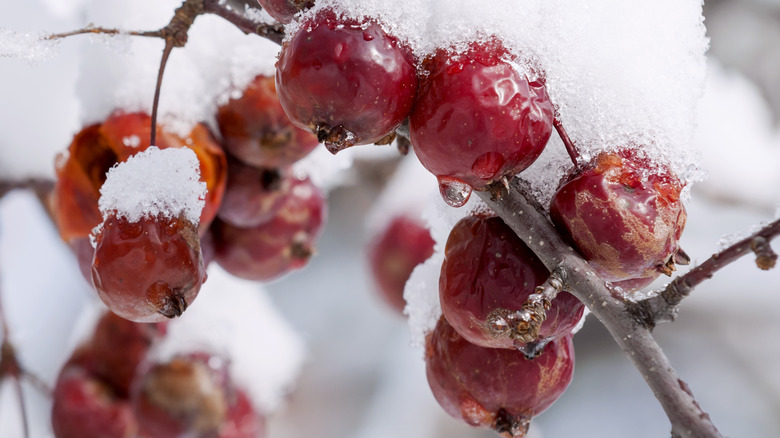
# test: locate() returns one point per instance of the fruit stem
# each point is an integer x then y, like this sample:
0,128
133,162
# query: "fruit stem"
155,104
570,148
270,31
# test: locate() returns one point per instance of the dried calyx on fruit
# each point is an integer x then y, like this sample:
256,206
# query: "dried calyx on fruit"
256,130
495,387
624,214
147,264
488,271
346,80
478,118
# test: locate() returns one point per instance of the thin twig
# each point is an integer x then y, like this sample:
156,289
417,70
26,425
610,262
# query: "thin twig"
105,31
570,148
40,186
662,306
22,405
271,31
528,220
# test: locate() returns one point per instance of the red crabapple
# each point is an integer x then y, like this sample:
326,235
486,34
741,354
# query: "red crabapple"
495,387
150,270
81,171
345,80
478,118
256,130
623,214
86,407
242,421
402,245
284,11
253,196
488,269
276,247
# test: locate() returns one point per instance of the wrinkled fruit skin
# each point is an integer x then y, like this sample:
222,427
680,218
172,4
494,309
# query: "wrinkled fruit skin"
622,215
256,130
404,244
347,81
487,267
86,407
150,270
284,11
495,387
477,118
186,396
81,171
253,196
276,247
120,346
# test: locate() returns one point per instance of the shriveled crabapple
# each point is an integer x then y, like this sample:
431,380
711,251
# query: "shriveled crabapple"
495,388
185,396
81,170
253,195
276,247
478,118
489,273
256,130
624,215
402,245
119,347
283,11
85,406
346,80
149,270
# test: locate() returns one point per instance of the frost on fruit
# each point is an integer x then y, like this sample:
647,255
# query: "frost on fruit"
156,182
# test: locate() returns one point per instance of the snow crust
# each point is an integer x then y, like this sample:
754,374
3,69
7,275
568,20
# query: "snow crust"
155,182
30,47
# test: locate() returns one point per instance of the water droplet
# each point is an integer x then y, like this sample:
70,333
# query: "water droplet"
455,192
367,36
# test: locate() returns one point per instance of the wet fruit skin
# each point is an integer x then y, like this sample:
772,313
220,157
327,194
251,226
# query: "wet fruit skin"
477,118
253,196
495,387
345,80
84,406
283,11
120,346
623,214
276,247
487,267
404,244
81,171
256,130
150,270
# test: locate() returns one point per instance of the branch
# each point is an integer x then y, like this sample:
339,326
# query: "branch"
529,221
40,186
271,31
105,31
663,305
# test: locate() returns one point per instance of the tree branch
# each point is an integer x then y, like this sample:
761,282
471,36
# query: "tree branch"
663,305
529,221
271,31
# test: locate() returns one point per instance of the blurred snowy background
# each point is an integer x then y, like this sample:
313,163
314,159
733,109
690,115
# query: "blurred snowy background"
347,355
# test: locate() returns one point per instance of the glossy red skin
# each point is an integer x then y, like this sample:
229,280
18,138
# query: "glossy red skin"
284,11
486,267
256,130
404,244
276,247
479,385
329,75
84,252
86,407
477,118
184,397
626,225
249,200
120,346
143,270
242,420
82,170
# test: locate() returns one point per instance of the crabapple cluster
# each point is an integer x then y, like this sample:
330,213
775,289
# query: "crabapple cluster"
259,219
502,352
110,387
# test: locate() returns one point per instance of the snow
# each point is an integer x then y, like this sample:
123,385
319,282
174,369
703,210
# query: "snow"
28,47
155,182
